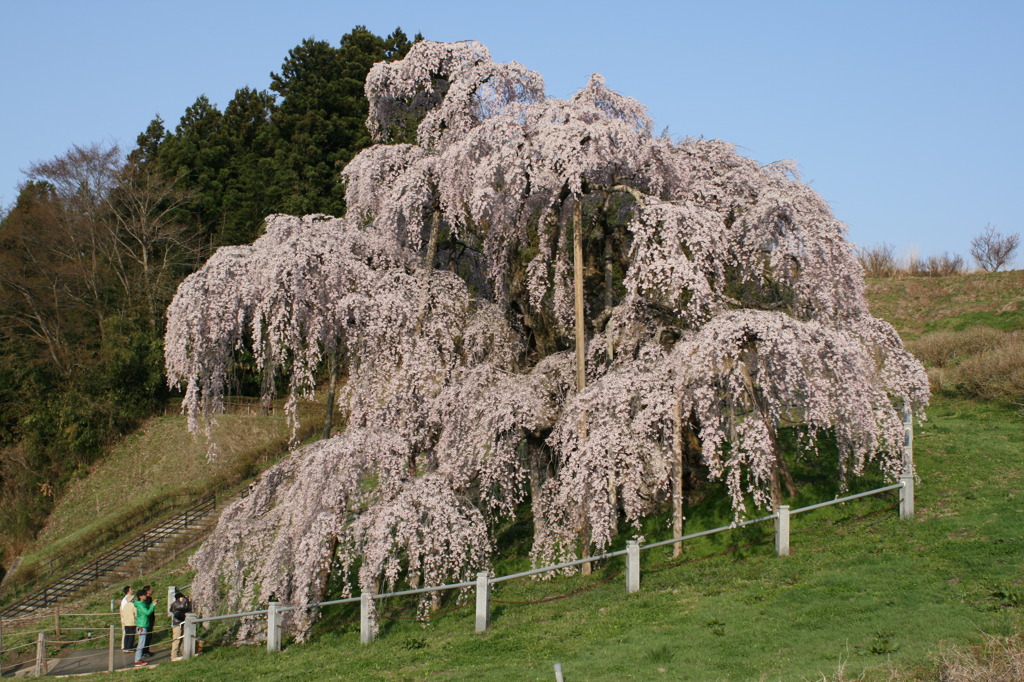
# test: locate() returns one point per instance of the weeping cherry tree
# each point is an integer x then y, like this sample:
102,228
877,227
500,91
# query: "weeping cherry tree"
531,299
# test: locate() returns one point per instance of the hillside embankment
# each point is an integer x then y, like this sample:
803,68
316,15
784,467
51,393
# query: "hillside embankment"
864,595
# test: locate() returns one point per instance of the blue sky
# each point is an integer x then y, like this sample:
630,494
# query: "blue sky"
906,116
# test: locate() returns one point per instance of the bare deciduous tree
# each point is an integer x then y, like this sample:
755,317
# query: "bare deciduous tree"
993,250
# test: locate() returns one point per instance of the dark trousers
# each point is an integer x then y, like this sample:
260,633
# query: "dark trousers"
128,641
148,640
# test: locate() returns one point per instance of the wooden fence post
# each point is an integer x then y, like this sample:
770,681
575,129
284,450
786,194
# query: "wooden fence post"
41,654
56,621
483,600
188,636
366,633
908,440
907,496
632,566
110,649
273,627
782,530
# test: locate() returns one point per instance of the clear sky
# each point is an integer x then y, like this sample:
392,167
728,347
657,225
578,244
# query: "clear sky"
905,115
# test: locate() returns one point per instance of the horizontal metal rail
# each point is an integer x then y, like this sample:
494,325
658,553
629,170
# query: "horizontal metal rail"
801,510
557,567
229,616
712,531
423,590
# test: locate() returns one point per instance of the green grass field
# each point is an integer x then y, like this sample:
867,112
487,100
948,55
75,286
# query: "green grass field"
863,592
863,595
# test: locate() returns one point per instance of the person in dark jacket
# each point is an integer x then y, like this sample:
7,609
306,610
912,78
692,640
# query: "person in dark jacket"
179,608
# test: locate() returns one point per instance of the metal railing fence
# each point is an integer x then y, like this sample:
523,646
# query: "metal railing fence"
485,581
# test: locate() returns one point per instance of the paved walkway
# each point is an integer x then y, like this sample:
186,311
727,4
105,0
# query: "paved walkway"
82,661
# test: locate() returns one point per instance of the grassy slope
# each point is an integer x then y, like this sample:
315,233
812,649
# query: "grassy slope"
864,592
915,305
160,465
862,589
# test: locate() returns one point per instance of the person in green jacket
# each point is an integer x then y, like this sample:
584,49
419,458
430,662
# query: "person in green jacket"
144,609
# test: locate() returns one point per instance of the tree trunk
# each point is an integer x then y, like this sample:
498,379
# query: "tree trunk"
781,475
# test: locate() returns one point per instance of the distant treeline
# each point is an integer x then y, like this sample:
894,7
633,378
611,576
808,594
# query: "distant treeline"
97,241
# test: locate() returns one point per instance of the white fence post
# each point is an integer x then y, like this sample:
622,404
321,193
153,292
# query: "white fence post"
483,600
632,566
273,627
171,591
366,633
782,530
907,496
188,636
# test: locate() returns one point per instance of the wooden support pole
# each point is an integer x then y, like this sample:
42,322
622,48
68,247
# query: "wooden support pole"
577,283
908,440
581,341
677,478
41,654
110,648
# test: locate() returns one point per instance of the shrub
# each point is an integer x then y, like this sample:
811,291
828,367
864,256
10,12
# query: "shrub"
878,260
945,265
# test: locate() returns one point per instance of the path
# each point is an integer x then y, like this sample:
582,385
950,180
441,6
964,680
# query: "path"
82,661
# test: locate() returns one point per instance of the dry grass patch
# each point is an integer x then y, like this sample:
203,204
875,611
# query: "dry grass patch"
979,362
1000,659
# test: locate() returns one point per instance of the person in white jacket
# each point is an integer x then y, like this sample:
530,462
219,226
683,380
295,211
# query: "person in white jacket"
128,619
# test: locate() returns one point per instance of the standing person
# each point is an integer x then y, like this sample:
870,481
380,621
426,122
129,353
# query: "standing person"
128,619
179,608
148,590
143,612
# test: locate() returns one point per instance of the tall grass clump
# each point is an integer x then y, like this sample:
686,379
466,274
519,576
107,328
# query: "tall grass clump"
996,374
978,362
949,348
